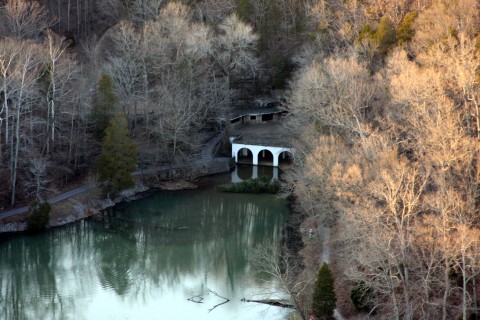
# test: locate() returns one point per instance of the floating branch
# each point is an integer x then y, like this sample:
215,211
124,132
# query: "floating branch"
196,299
218,305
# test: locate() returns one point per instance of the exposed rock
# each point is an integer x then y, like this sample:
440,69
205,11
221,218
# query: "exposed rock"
176,185
13,227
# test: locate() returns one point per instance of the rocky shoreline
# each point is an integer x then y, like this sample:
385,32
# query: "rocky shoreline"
81,211
84,206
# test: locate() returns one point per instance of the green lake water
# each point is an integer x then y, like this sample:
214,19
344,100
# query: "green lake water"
146,259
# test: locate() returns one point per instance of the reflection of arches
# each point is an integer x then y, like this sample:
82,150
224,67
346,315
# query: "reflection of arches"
265,157
285,159
244,172
266,171
244,155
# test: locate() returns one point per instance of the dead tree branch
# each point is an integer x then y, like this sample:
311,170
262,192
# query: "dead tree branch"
218,305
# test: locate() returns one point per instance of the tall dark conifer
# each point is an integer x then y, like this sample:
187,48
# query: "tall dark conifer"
104,106
119,156
324,300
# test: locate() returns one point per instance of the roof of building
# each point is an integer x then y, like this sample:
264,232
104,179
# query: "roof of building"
263,141
255,112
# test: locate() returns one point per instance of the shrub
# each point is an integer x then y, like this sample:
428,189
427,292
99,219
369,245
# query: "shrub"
367,33
405,30
257,185
385,35
38,216
361,296
245,9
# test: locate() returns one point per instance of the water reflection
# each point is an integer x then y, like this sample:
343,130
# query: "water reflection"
144,260
31,277
244,172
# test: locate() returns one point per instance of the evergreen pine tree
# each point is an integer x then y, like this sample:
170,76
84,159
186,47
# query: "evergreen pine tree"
324,300
386,35
119,156
405,30
104,105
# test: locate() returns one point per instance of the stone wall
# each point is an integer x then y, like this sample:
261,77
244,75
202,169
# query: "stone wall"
217,165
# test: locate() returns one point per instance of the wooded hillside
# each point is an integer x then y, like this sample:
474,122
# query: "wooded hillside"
168,71
387,98
384,101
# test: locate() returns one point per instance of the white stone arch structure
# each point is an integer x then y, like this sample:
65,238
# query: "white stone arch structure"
255,149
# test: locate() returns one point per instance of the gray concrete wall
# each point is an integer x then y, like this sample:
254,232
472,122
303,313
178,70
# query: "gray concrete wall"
217,165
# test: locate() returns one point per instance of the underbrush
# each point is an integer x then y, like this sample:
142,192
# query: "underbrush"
257,185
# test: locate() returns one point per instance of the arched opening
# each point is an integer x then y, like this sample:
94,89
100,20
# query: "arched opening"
285,159
244,155
265,158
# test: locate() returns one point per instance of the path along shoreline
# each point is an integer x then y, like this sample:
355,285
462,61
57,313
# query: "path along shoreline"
84,201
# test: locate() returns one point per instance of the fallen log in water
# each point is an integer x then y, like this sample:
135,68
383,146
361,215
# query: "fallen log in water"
272,302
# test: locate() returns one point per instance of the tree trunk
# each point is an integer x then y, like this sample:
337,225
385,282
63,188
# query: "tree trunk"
15,156
5,104
464,285
447,289
59,13
395,303
78,19
475,304
68,15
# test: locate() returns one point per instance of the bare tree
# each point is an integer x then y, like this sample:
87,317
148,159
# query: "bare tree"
26,74
24,19
170,58
60,75
214,11
282,268
335,94
125,65
38,171
9,50
444,19
234,48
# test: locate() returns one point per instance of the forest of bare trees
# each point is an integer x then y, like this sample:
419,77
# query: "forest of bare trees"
386,96
171,74
384,111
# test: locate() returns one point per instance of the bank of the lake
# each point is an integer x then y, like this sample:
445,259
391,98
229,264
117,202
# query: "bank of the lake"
92,201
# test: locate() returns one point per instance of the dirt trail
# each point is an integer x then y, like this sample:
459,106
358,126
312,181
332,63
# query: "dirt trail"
57,198
206,156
